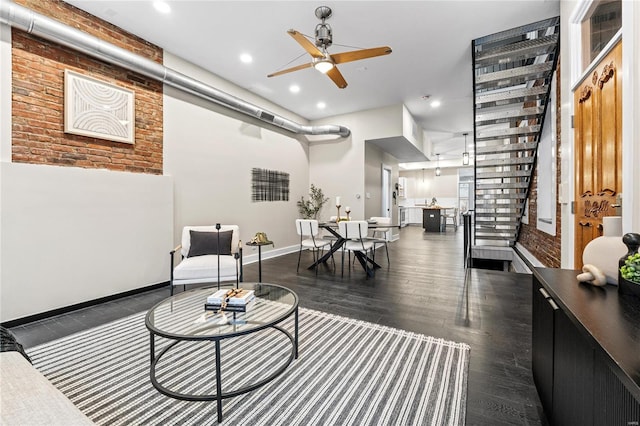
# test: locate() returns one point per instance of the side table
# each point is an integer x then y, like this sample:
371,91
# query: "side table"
259,245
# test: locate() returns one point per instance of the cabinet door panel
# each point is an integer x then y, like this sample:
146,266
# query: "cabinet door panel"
572,375
542,346
614,404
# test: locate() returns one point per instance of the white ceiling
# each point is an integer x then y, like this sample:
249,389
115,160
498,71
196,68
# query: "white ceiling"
431,42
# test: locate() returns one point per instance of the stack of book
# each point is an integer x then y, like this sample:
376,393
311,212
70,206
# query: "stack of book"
233,300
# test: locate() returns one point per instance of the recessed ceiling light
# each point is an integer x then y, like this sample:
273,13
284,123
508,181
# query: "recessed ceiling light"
294,88
321,105
435,104
162,6
246,58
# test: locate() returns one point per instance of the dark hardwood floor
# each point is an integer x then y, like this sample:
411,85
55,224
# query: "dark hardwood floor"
424,291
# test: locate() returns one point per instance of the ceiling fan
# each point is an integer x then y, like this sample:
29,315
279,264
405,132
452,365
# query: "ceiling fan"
322,60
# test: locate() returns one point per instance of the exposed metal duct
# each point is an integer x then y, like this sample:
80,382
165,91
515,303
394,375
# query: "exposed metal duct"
42,26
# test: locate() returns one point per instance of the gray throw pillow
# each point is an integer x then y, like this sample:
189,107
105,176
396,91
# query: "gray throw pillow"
203,243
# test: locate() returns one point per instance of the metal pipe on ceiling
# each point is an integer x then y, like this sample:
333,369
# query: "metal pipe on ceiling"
42,26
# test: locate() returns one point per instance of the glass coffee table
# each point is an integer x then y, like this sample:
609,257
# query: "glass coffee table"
181,320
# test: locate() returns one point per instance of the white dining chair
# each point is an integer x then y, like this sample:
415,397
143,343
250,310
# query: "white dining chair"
355,233
383,236
453,215
308,231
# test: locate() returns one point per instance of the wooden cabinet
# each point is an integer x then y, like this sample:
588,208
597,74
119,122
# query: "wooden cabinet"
572,375
542,327
585,351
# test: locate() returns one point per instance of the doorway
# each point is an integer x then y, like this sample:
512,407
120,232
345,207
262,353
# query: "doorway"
386,192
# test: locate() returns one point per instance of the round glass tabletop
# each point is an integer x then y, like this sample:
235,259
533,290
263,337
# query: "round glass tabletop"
184,317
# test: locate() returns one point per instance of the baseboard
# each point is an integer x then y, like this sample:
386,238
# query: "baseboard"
66,309
266,254
527,257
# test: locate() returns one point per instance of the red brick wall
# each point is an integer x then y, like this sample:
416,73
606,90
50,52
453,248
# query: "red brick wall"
38,98
546,248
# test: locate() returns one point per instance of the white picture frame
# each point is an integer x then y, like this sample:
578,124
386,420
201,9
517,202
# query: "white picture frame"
98,109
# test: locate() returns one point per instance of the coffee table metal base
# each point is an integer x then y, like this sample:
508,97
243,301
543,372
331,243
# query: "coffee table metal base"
219,396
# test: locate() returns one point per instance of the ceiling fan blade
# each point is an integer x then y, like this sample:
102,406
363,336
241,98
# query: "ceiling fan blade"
311,48
354,55
337,77
296,68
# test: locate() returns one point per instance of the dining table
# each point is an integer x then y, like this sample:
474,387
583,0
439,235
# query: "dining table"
368,264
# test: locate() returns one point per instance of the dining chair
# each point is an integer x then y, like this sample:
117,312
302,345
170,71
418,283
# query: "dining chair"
453,215
308,231
384,235
355,233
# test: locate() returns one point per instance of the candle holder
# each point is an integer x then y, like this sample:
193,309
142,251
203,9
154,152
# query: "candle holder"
338,217
347,210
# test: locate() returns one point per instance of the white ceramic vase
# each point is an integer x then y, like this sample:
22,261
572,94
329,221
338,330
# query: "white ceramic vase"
605,252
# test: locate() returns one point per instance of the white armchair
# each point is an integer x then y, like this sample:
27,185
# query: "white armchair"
208,255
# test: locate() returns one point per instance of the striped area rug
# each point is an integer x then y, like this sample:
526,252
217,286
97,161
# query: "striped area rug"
348,372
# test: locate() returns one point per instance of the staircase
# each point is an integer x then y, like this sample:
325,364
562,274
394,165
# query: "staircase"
512,73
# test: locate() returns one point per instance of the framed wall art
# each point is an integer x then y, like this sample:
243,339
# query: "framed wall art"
269,185
98,109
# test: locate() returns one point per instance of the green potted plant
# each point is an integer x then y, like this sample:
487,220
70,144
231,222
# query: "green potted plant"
310,208
631,269
629,279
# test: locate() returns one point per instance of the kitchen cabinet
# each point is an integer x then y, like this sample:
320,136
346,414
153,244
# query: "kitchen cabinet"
413,215
432,219
585,350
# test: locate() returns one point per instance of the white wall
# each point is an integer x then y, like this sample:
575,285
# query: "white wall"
70,235
210,151
373,181
338,167
444,186
410,129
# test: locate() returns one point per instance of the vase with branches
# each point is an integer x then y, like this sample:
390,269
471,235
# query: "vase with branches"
310,208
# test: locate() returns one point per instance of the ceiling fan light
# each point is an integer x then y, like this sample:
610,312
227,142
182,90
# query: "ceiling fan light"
323,65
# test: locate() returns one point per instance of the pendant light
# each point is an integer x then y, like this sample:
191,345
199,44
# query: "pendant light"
465,154
438,165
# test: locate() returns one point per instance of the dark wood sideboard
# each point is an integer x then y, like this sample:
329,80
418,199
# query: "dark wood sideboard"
585,351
